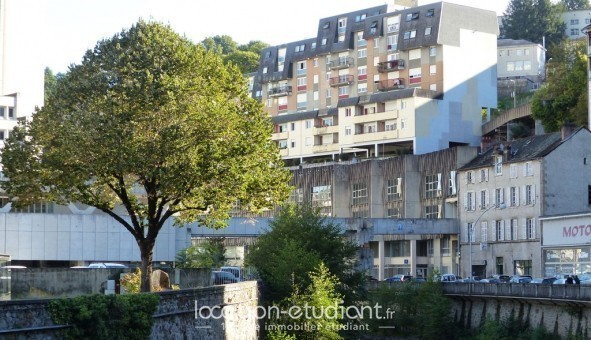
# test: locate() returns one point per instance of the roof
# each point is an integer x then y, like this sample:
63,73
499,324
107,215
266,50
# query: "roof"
522,150
512,42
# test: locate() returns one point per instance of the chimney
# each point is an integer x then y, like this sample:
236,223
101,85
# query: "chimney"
567,129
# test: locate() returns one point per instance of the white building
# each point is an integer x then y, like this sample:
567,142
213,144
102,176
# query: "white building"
521,66
506,190
575,21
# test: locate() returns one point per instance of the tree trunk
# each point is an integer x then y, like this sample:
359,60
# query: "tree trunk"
146,251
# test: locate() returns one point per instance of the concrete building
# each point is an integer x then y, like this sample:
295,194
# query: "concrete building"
521,66
575,22
376,82
506,190
401,211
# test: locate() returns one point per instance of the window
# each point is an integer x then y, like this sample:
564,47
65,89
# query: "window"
308,141
11,112
2,135
483,175
292,143
360,41
282,144
513,197
362,88
390,125
513,170
321,197
397,248
300,48
412,16
589,194
432,212
522,267
323,41
470,233
499,230
359,193
574,21
301,66
445,246
362,72
499,196
292,126
360,17
528,170
342,25
484,231
451,182
498,165
513,228
326,25
499,265
308,124
297,195
430,12
433,186
529,194
530,230
483,199
428,30
362,53
433,69
265,70
36,207
510,66
343,91
301,83
470,201
392,41
348,111
393,212
414,75
469,177
347,131
432,51
393,189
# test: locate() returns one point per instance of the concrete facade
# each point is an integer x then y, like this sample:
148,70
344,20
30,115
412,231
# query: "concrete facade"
521,66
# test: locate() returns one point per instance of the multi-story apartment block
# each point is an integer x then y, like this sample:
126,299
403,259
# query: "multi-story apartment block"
376,82
507,190
575,21
521,66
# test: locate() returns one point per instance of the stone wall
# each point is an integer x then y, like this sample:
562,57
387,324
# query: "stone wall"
175,317
563,318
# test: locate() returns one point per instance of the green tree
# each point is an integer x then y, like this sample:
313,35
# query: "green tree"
246,57
533,20
210,254
573,5
50,81
148,126
319,318
563,98
298,240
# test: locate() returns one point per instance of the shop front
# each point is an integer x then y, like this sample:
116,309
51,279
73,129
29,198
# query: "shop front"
566,245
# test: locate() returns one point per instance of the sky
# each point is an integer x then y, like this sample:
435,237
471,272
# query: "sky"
56,33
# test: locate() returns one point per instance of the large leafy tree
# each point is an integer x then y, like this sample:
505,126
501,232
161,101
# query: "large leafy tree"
533,20
246,57
147,127
563,98
298,241
573,5
210,254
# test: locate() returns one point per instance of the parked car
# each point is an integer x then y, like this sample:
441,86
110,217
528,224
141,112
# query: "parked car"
399,278
520,279
502,278
419,279
543,280
449,278
491,279
472,279
106,265
219,277
236,271
559,281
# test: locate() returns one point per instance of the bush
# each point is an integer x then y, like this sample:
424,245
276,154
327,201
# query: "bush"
105,316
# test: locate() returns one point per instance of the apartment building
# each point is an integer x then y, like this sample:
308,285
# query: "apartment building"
379,82
521,66
575,22
508,190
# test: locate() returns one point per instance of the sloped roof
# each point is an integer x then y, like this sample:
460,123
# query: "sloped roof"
522,150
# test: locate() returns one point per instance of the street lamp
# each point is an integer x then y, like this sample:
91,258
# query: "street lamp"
471,231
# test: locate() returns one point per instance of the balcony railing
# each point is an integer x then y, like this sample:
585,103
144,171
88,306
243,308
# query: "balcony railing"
391,84
279,91
391,65
339,63
341,80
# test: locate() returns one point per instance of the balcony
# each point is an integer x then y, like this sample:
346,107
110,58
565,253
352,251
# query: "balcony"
374,136
324,129
339,63
391,65
341,80
279,91
325,148
279,136
375,117
391,84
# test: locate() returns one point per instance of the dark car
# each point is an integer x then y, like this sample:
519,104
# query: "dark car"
520,279
399,278
544,281
222,278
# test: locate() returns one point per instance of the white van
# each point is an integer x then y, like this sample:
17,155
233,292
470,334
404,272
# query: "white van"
449,278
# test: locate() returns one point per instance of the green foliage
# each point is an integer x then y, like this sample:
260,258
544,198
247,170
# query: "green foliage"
105,316
50,81
532,20
210,254
298,240
511,328
419,310
132,281
573,5
563,98
317,320
153,124
245,57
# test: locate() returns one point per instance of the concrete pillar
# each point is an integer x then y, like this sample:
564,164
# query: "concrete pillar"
381,260
413,258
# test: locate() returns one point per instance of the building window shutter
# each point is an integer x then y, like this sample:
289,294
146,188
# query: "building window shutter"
507,230
523,228
533,194
533,228
466,201
484,231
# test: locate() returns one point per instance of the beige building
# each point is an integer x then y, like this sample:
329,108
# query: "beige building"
508,188
379,82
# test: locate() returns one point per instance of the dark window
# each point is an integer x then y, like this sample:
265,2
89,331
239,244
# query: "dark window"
430,12
374,24
326,25
589,194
